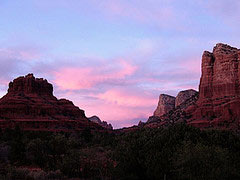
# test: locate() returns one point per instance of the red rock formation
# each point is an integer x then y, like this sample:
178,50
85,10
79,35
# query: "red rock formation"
187,98
218,102
219,93
183,96
166,103
30,104
101,123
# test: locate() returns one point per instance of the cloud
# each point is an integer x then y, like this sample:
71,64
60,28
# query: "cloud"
120,116
225,11
225,8
161,13
122,92
112,73
22,52
10,64
127,98
120,107
138,10
17,61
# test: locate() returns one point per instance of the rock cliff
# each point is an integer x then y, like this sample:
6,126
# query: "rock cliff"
166,103
219,98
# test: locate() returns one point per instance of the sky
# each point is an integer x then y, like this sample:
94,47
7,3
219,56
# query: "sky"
113,58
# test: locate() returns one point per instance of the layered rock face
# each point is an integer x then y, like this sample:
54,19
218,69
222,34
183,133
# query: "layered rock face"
220,73
166,103
219,98
184,95
97,120
31,105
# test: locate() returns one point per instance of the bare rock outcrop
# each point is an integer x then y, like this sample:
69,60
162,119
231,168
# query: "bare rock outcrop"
183,96
166,103
97,120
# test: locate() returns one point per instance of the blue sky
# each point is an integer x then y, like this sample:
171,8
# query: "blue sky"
113,58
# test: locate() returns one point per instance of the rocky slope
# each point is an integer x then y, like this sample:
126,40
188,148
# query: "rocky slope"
97,120
31,105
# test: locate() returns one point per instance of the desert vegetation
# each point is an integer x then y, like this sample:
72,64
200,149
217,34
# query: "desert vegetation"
177,152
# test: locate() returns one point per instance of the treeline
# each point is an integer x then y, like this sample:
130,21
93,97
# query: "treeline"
176,152
179,152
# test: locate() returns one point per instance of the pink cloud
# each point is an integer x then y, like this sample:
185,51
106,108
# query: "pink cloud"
95,88
121,107
120,116
75,78
192,65
126,98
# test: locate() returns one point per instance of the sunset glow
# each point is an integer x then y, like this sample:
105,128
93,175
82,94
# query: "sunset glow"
113,58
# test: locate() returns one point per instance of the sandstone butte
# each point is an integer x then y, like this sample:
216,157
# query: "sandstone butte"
219,94
218,104
31,105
